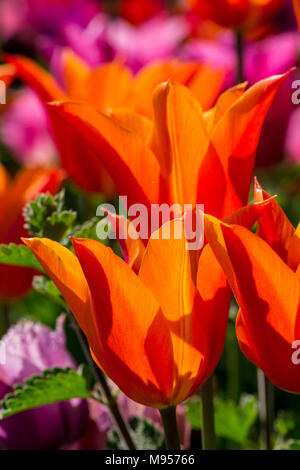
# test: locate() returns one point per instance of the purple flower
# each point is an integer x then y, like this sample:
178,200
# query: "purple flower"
29,349
26,19
24,130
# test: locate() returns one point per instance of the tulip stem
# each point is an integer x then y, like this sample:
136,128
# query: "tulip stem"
266,408
5,320
208,418
168,416
240,57
101,380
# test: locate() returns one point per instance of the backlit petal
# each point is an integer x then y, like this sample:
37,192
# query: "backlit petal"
133,331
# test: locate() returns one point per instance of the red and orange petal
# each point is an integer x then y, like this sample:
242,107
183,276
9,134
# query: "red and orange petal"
274,226
267,291
234,140
133,167
132,328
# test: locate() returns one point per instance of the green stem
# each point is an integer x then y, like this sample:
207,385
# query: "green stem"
208,419
240,77
101,380
266,408
168,416
5,319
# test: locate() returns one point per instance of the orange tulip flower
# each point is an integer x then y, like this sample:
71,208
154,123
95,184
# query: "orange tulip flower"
186,156
245,14
16,281
263,272
109,87
7,73
157,325
296,4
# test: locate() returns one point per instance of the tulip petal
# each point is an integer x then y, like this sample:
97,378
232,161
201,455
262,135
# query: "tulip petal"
115,89
133,331
267,291
122,152
245,341
75,72
140,125
36,78
133,248
179,140
293,257
274,226
64,269
169,270
7,73
27,184
77,158
235,138
205,83
225,101
4,181
296,4
214,291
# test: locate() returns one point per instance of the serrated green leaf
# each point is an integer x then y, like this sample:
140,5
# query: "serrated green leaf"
46,217
53,386
18,255
232,421
145,434
86,230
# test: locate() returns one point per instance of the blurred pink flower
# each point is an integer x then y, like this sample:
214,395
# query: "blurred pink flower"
101,422
106,38
29,349
24,130
157,38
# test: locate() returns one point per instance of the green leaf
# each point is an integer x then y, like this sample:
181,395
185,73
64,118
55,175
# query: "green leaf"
145,434
53,386
291,444
86,230
19,255
46,217
44,286
232,421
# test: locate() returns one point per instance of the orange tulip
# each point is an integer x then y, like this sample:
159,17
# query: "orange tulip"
184,157
265,279
7,73
108,87
16,281
157,326
296,4
245,14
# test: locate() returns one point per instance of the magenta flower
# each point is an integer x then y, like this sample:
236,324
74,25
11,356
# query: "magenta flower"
105,38
26,19
24,130
29,349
